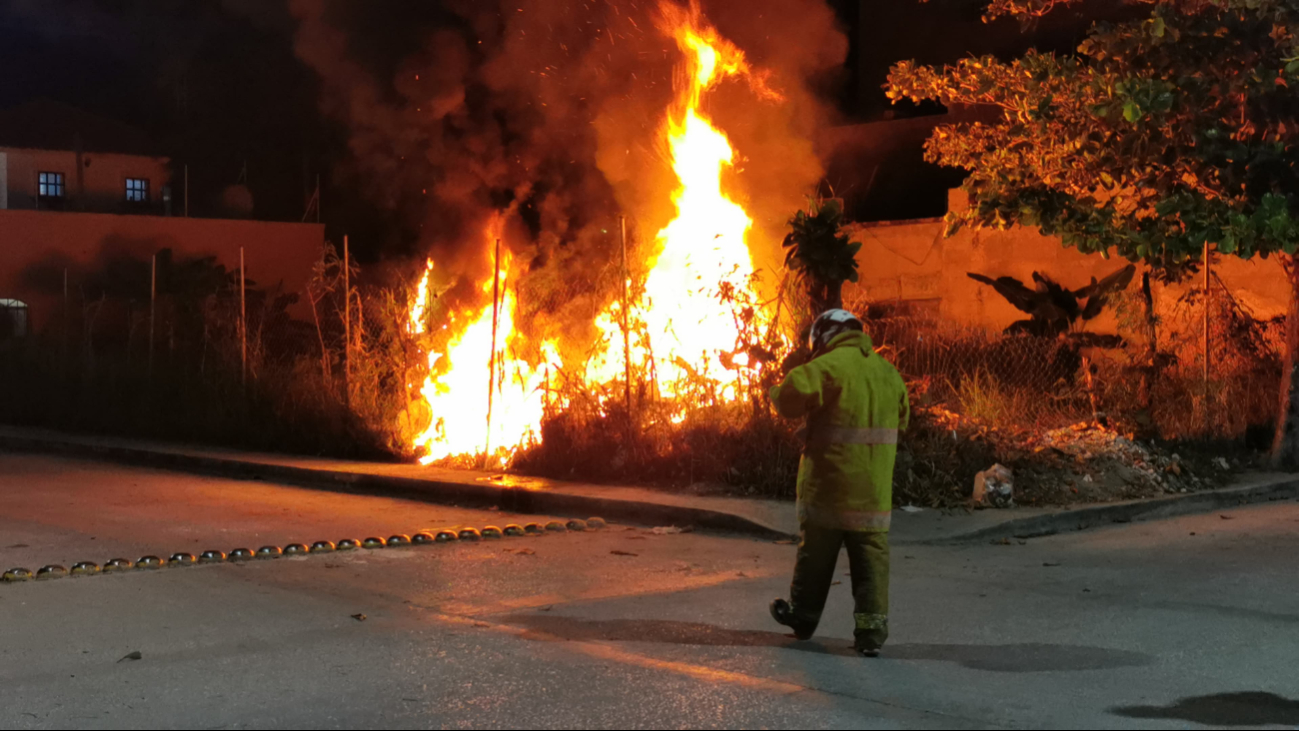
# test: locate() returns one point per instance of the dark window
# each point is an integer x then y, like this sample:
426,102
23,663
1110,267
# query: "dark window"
13,319
51,185
137,190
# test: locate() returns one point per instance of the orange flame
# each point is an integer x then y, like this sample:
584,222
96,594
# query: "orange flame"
460,376
705,248
687,330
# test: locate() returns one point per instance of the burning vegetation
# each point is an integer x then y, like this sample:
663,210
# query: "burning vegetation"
636,288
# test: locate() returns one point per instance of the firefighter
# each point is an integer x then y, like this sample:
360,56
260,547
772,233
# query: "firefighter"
855,402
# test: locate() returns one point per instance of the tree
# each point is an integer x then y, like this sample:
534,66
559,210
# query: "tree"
821,254
1162,136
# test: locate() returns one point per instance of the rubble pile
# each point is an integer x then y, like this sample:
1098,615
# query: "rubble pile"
1085,462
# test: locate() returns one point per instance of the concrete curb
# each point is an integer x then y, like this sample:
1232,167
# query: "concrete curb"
1096,516
507,498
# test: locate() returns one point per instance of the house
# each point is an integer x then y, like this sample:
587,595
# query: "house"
80,194
59,158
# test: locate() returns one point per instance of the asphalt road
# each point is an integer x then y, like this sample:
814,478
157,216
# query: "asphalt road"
1177,624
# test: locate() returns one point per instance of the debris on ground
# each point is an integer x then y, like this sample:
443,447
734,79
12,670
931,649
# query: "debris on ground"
359,617
1085,462
137,655
994,487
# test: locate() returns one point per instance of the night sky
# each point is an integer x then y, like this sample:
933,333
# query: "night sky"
217,83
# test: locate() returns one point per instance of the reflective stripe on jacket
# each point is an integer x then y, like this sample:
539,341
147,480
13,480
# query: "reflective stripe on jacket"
855,402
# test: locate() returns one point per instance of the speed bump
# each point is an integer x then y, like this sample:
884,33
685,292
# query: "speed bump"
266,553
181,560
323,547
13,576
373,543
446,536
470,534
399,540
421,539
148,563
241,554
296,549
85,568
118,565
513,530
555,526
534,529
348,544
53,571
578,525
491,531
212,557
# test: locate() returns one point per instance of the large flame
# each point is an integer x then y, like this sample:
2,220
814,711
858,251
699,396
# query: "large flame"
687,331
464,421
705,247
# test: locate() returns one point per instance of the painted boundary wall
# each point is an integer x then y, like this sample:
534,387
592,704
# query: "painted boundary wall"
36,246
911,262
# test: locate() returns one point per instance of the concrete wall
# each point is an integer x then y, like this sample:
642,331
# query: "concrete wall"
36,247
912,262
100,187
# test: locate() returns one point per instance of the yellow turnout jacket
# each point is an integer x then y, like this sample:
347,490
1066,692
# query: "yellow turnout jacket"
855,403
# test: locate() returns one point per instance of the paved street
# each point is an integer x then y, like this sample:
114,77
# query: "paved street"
1177,624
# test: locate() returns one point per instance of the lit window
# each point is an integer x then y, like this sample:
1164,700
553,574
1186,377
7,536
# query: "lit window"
137,190
13,319
51,185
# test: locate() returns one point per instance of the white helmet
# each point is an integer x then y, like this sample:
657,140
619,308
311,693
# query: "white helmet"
829,324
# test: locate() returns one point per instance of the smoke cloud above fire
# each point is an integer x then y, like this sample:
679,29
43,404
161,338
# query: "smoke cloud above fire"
549,112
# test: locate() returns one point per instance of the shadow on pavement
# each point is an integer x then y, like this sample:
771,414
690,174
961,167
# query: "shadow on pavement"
1223,709
1028,657
1017,658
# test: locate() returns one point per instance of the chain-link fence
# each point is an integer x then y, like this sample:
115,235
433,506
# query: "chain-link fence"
191,349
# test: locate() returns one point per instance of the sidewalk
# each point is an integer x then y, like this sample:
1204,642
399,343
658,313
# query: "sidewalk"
632,505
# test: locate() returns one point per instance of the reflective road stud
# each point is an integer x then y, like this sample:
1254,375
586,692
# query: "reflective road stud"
596,523
421,539
265,553
118,565
534,529
296,549
181,560
47,573
514,530
241,554
373,543
398,540
212,557
149,563
491,531
85,568
446,536
15,575
322,547
578,525
470,534
349,544
555,526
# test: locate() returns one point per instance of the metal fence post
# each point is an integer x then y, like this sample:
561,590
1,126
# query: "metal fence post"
153,306
243,321
491,362
67,314
347,324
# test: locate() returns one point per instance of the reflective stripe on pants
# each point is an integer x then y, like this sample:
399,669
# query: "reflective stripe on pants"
868,563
